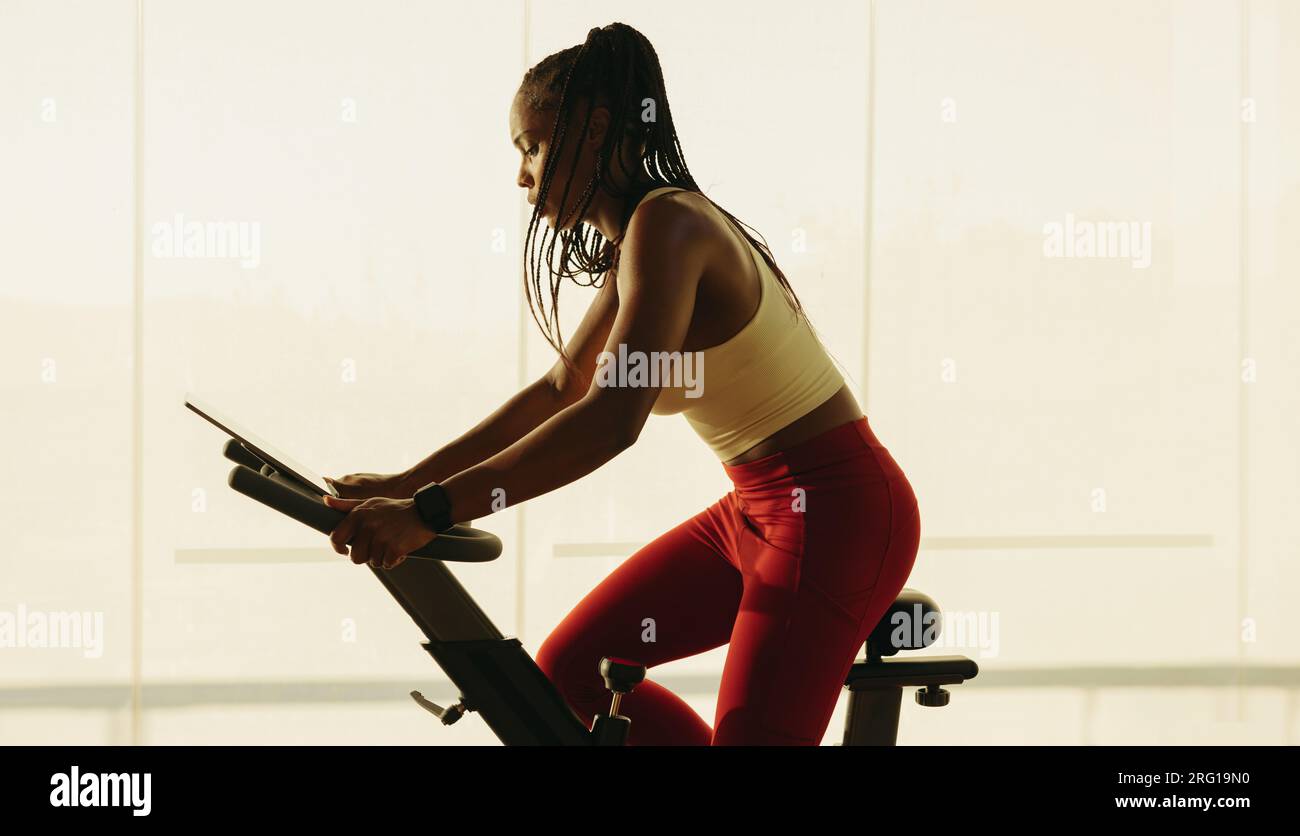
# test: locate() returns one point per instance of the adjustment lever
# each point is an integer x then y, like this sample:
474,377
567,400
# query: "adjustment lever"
621,677
447,715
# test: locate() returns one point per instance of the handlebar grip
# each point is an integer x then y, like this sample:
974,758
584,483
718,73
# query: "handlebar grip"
460,544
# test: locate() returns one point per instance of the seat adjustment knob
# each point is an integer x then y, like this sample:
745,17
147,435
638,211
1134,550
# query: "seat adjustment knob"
931,695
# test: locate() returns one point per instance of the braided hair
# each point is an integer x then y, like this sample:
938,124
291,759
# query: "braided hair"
618,68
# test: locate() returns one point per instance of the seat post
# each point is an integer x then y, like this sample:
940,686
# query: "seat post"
872,718
876,684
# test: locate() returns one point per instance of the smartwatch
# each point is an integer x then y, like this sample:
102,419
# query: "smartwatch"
433,506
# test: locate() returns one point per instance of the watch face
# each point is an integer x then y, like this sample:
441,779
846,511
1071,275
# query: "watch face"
432,506
433,497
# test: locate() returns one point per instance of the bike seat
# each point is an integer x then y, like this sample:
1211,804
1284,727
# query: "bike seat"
913,621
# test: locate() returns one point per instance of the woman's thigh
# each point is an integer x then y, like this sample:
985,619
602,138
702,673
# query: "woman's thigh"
675,597
817,581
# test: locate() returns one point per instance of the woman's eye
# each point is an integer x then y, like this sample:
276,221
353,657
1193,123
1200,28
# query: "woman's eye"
532,152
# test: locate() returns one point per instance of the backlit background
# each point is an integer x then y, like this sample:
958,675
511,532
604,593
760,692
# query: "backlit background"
1102,445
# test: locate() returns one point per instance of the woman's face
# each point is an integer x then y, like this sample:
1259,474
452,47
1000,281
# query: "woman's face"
530,133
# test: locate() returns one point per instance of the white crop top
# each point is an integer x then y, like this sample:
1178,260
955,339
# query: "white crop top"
771,373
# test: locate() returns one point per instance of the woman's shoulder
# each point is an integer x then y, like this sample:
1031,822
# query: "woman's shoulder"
678,196
673,216
670,238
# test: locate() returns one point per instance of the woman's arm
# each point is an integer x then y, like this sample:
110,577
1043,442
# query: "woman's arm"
663,259
532,406
661,265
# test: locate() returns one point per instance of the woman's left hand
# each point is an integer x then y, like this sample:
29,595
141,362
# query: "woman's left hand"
382,531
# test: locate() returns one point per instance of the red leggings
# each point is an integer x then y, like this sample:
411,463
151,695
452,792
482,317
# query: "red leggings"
792,569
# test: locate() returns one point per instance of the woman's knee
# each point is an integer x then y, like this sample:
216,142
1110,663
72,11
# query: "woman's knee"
574,668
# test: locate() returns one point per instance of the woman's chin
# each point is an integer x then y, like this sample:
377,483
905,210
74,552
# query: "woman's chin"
550,220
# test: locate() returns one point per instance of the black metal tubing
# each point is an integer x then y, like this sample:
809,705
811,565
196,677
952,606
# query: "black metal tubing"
458,544
503,684
497,678
876,693
872,718
924,670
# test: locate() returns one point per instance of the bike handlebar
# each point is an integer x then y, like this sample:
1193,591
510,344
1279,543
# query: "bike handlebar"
459,544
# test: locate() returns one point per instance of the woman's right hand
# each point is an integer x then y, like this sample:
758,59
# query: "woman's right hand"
367,485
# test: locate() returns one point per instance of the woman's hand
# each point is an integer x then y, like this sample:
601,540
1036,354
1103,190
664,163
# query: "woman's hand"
382,531
366,485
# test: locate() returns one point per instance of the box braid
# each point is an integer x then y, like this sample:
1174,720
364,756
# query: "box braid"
617,67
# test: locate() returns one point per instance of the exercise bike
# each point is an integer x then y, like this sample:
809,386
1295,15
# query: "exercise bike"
500,681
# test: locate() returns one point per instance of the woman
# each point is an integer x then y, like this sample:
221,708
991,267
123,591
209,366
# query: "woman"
795,566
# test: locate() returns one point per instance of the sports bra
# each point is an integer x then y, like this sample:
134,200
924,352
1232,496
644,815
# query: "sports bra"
768,375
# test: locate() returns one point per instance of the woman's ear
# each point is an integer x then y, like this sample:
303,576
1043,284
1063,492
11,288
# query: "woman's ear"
599,126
